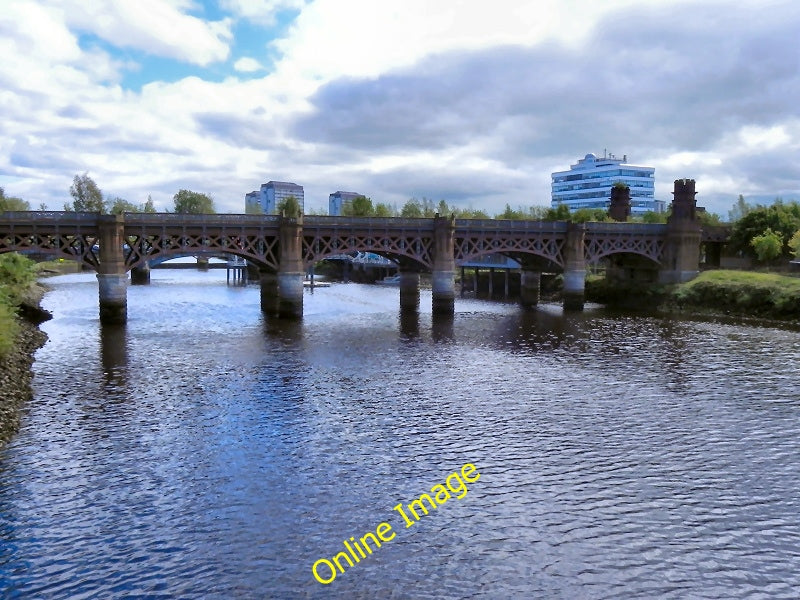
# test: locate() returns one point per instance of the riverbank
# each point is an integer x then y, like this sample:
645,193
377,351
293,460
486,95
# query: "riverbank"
720,292
16,376
763,295
20,337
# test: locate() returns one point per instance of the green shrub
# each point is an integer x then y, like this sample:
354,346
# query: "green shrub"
8,324
17,274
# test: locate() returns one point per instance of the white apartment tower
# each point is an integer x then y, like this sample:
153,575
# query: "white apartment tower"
266,200
588,184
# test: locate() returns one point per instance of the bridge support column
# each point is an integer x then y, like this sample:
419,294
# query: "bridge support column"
112,277
443,282
574,268
269,292
682,247
409,290
530,284
290,271
140,275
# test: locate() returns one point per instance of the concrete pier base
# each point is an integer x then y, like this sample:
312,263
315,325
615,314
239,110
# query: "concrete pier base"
269,292
574,289
443,288
140,275
113,292
409,290
290,295
529,290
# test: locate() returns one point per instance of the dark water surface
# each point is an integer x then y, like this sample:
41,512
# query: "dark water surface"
205,452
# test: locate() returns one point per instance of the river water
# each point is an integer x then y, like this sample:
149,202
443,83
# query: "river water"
206,452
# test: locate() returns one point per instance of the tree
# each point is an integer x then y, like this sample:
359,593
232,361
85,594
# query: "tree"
794,244
289,207
739,210
768,245
412,209
360,206
384,210
782,218
584,215
11,203
511,214
470,213
708,218
654,217
120,205
195,203
560,213
86,196
148,206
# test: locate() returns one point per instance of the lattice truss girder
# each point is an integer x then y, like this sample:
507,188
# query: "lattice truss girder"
549,246
412,245
599,246
80,247
143,247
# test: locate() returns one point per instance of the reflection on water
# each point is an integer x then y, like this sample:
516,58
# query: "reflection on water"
206,452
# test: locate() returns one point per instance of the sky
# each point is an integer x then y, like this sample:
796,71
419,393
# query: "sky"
469,101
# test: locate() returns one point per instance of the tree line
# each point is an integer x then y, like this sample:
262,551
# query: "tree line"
86,196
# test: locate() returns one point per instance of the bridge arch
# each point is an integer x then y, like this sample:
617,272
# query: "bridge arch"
75,248
408,252
607,239
261,251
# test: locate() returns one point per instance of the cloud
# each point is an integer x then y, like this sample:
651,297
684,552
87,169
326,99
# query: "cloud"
260,11
646,84
247,65
156,27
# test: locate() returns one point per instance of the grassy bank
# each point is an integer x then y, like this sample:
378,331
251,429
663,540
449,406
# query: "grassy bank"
19,337
17,278
740,292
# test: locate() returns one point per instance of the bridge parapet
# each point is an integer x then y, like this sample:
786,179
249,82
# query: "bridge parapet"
509,225
368,223
627,228
59,217
216,220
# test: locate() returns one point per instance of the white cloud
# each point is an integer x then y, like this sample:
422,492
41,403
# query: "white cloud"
260,11
157,27
247,65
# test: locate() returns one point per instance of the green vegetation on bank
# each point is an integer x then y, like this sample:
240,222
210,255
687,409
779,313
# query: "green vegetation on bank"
742,292
17,275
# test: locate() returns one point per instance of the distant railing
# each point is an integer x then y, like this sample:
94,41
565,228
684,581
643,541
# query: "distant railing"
198,220
49,216
509,225
366,222
640,228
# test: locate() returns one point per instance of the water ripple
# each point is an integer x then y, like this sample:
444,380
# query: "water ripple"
204,452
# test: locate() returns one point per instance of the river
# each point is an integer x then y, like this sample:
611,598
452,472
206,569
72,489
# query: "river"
203,451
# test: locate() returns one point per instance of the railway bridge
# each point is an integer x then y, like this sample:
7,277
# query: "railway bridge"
283,248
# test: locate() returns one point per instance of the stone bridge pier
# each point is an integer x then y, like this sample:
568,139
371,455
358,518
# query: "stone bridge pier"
574,267
443,280
409,289
112,276
529,288
282,291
